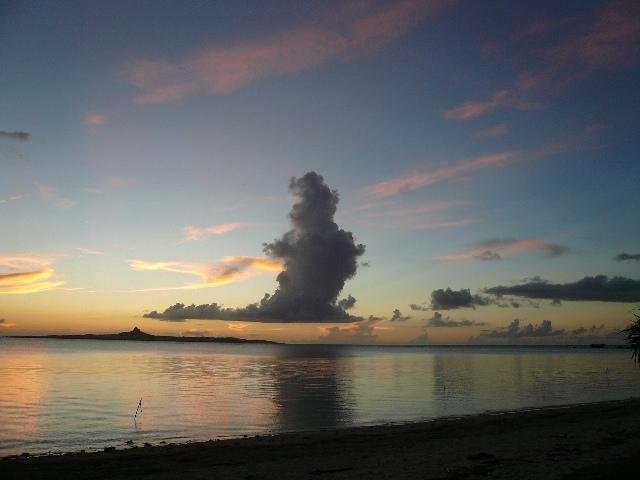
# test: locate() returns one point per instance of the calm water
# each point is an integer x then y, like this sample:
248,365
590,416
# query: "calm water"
67,395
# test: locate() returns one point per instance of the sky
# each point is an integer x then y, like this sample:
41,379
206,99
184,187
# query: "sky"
392,172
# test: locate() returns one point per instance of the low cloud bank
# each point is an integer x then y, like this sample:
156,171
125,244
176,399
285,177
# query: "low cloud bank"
599,288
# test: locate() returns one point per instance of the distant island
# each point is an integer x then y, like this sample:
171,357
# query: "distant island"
140,336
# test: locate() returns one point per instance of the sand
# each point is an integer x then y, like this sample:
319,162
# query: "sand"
600,440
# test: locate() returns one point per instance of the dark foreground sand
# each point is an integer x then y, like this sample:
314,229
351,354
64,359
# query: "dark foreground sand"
596,441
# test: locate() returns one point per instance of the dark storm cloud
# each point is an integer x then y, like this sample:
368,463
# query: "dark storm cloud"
347,303
447,299
419,308
438,320
621,257
545,333
487,255
398,317
22,136
514,330
318,259
599,288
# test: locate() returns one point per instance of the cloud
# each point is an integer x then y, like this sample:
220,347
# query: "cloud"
359,332
411,217
22,274
438,320
419,308
420,179
230,269
398,317
357,28
447,299
500,99
88,251
412,210
12,198
514,331
110,182
599,288
94,119
318,259
196,233
544,332
491,132
5,324
347,303
16,135
627,256
50,195
606,42
498,248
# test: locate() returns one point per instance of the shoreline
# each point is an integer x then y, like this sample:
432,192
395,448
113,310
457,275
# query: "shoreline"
547,442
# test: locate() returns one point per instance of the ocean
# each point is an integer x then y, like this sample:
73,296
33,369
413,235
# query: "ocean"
65,395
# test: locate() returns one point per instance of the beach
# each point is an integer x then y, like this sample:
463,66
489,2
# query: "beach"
578,441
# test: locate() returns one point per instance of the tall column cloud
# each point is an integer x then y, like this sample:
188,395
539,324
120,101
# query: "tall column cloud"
318,258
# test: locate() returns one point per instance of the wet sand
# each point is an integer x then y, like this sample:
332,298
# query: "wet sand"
583,442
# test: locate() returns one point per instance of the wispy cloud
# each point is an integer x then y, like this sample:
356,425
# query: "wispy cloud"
12,198
607,42
500,99
94,119
229,270
418,216
498,248
413,210
110,182
50,195
356,29
89,251
5,324
16,135
26,274
196,233
491,132
423,178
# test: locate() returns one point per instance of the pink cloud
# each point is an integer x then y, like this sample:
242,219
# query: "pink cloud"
196,233
27,274
446,224
492,132
420,179
229,270
500,99
607,42
50,195
413,210
359,28
496,249
94,119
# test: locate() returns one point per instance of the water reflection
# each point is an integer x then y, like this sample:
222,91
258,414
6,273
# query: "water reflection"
311,388
65,395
